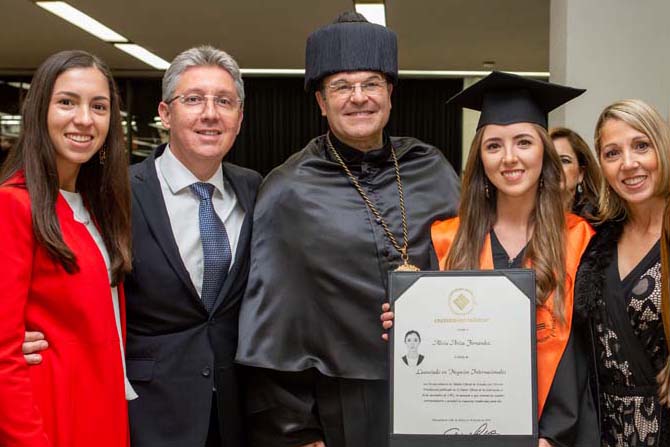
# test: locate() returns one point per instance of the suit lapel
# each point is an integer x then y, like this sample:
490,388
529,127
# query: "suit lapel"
147,190
244,199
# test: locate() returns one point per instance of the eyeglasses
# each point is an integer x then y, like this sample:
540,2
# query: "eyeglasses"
344,89
197,102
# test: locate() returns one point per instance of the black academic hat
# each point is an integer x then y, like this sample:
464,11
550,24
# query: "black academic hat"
505,98
350,43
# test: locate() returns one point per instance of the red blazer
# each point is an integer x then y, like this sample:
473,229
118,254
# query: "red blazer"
75,398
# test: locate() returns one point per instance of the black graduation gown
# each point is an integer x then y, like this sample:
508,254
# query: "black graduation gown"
569,418
309,323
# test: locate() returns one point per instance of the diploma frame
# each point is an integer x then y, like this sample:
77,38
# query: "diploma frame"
399,283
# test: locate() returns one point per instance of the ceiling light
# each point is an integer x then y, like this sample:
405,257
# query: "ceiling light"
23,85
83,21
374,12
144,55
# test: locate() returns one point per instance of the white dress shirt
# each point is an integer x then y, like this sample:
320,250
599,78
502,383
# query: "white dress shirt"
183,208
82,216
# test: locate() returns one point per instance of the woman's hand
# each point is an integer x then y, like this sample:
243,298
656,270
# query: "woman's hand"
387,319
544,443
33,344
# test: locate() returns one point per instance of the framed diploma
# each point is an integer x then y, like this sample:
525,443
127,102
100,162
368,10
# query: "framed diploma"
462,359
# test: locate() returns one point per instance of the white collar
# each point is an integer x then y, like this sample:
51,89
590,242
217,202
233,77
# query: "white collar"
178,177
76,204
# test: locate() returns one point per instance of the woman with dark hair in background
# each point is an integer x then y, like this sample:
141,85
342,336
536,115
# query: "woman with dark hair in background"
512,216
618,287
65,237
582,176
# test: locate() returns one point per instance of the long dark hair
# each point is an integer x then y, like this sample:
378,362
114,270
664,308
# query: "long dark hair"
104,187
477,213
585,203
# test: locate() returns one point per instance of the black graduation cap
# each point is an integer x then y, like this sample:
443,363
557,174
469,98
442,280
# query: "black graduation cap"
350,43
505,98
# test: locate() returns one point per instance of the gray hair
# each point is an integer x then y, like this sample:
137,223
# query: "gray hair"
201,56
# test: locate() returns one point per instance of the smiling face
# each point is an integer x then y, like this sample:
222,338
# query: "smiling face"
628,161
78,119
512,159
201,136
357,119
574,173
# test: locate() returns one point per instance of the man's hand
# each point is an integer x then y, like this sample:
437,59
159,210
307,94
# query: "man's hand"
315,444
32,345
544,443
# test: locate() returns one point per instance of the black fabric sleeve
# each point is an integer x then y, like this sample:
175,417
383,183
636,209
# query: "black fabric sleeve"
281,408
434,262
569,418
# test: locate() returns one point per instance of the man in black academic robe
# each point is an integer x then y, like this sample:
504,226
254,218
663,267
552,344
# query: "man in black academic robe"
309,324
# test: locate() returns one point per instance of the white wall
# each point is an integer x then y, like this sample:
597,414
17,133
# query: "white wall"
616,49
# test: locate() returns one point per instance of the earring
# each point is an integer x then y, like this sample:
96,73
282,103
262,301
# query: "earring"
541,182
102,155
580,188
486,189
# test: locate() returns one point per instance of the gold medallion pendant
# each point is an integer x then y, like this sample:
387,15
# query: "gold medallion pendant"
406,266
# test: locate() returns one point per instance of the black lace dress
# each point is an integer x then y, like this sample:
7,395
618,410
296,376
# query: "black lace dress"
630,349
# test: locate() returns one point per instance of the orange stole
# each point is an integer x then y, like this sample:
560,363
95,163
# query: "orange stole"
552,336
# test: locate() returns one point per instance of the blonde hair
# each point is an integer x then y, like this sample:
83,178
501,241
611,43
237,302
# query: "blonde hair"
642,117
477,213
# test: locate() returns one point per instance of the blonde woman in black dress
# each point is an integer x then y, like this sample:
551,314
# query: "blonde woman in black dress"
619,281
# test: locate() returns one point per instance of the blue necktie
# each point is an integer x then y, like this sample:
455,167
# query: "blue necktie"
215,246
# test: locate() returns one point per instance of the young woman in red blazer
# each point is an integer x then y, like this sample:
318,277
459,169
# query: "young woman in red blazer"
65,238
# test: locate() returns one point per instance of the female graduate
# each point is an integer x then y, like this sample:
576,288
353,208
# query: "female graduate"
65,238
512,216
619,281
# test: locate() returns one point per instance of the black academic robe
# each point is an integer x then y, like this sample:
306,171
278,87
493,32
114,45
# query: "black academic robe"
309,323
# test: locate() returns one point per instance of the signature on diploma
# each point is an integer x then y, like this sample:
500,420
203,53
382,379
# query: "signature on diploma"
481,430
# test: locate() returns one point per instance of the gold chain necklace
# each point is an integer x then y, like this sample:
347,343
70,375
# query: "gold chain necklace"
405,266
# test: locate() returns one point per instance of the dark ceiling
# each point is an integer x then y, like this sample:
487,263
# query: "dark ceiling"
433,34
